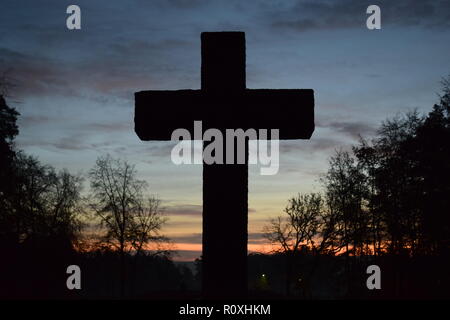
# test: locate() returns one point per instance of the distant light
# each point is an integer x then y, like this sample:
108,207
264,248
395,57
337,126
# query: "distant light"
263,275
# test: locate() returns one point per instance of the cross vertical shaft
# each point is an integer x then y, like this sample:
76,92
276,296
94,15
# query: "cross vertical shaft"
225,191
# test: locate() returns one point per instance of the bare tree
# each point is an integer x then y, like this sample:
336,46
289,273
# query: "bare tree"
43,202
146,224
300,226
130,220
299,231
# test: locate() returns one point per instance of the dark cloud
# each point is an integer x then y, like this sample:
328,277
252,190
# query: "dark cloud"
187,238
255,235
196,238
30,120
311,146
190,210
145,48
185,210
323,14
110,127
33,74
82,142
188,4
352,129
159,148
193,223
71,143
256,238
118,71
118,64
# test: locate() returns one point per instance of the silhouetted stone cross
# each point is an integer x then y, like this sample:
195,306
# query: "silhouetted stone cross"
224,103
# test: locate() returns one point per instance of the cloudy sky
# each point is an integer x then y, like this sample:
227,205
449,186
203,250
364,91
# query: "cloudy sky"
75,88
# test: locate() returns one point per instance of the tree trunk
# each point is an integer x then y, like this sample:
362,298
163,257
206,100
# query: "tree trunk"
122,271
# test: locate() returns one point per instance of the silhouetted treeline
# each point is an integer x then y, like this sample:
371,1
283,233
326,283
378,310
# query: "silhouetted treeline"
39,219
146,277
402,277
390,195
385,202
46,225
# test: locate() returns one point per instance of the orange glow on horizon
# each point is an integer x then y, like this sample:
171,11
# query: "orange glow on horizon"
263,248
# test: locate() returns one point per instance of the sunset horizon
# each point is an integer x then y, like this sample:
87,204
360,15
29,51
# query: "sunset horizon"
194,149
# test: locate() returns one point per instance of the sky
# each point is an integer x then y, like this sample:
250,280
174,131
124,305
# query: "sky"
74,88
